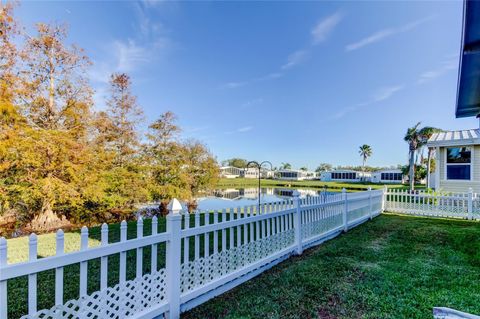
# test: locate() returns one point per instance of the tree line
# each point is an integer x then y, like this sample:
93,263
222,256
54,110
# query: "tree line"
62,160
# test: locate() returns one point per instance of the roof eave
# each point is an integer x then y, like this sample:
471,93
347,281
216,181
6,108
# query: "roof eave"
473,141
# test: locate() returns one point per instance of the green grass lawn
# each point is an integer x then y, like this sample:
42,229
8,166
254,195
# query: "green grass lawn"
393,267
332,186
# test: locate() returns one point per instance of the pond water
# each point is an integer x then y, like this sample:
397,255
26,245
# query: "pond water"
239,197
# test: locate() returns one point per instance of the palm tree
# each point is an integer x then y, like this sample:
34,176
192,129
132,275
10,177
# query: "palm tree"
416,138
286,166
428,132
365,152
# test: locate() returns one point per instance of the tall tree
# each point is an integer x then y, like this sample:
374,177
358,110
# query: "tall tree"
324,167
9,32
416,138
365,152
286,166
165,160
56,100
124,115
55,92
428,132
201,168
235,162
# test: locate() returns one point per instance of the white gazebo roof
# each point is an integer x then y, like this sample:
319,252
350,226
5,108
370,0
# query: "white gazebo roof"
449,138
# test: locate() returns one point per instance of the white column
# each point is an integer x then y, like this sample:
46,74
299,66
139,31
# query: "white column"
297,223
173,258
438,166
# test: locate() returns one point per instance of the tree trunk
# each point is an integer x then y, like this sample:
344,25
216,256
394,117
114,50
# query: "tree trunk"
412,170
363,169
47,220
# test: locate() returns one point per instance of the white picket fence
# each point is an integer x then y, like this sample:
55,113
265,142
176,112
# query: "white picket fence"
205,255
433,204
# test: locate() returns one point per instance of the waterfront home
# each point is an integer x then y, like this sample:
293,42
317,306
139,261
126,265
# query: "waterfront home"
230,172
345,175
294,175
388,176
249,172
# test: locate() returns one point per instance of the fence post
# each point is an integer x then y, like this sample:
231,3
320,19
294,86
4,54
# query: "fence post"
470,204
345,210
384,197
3,284
370,213
297,223
173,258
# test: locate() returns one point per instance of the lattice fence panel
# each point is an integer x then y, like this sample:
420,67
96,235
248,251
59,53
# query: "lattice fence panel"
201,271
120,301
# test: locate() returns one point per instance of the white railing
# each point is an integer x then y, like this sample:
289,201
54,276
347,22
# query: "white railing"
433,204
205,255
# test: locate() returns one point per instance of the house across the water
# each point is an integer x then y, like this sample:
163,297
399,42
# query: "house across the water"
388,176
294,175
345,176
230,172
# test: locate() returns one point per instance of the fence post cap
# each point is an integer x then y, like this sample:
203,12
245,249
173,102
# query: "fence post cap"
174,207
296,193
369,188
344,190
470,190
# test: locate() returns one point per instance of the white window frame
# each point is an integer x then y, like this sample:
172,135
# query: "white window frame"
472,157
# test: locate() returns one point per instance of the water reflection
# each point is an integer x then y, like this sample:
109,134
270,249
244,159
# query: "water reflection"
238,197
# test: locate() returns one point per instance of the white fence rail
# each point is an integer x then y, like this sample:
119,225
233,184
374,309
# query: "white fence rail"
433,204
197,258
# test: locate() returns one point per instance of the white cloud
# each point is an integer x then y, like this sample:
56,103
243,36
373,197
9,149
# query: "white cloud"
197,129
381,94
234,85
385,93
385,33
295,58
129,55
319,33
245,129
325,27
451,63
240,130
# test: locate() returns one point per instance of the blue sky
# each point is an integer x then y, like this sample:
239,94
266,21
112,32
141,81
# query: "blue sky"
298,82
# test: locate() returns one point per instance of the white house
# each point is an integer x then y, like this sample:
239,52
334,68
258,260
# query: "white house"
344,175
294,175
230,172
457,155
388,176
250,172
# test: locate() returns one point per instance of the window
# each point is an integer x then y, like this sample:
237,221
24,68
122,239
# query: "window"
391,176
459,161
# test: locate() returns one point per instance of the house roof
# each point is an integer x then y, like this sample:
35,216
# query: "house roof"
452,138
468,90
